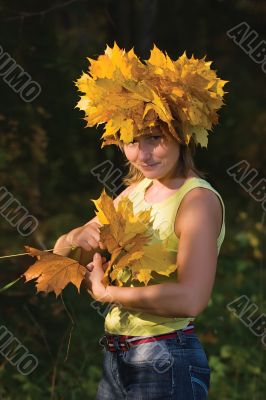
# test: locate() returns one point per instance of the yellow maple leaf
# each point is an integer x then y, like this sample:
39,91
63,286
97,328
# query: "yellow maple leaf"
154,259
126,131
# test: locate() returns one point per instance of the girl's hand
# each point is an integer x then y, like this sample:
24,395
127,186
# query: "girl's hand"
87,237
94,276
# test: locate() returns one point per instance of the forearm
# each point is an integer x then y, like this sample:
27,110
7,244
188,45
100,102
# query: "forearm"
165,299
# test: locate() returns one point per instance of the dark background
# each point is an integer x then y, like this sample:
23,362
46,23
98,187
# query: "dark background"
46,157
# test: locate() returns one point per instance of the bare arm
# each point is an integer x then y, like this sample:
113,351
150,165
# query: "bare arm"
198,229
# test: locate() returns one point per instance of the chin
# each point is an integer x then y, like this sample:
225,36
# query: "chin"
151,174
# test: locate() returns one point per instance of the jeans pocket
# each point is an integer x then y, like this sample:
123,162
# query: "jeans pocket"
200,381
146,371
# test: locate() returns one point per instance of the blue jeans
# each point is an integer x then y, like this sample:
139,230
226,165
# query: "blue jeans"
160,370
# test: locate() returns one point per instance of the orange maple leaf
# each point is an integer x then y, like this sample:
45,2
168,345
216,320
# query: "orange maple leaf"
53,272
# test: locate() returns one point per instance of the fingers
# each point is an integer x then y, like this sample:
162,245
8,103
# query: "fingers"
90,266
96,225
105,266
89,244
102,246
92,242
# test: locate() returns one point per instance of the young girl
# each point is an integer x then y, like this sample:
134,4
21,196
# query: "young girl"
151,350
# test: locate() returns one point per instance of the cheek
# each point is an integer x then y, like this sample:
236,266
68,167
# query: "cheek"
130,153
169,153
161,152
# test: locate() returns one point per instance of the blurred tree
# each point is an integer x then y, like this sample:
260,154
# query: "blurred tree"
46,158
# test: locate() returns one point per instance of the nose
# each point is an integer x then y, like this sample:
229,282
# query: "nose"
145,152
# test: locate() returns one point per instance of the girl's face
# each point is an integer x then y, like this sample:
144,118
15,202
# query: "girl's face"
155,155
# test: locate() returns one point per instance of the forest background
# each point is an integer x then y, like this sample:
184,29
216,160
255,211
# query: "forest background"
46,163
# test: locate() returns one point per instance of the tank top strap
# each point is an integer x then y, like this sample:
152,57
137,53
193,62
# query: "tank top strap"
195,182
173,201
143,184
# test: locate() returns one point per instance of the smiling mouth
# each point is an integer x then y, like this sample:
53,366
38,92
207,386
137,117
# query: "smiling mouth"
148,165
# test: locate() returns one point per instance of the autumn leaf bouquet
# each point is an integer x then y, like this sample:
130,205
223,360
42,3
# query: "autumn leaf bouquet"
129,240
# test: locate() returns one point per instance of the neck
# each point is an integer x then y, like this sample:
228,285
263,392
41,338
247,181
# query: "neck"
170,181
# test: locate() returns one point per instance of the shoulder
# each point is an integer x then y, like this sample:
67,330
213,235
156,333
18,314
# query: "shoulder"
200,205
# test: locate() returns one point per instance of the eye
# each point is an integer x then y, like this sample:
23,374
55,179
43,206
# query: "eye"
155,137
152,138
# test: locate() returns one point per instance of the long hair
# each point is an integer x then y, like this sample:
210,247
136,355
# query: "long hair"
185,163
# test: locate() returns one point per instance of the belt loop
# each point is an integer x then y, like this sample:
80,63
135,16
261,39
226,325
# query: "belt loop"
127,345
180,337
116,343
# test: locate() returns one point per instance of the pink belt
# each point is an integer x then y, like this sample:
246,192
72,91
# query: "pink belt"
124,342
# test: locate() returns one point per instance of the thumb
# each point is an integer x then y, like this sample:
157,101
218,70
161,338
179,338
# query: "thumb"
97,259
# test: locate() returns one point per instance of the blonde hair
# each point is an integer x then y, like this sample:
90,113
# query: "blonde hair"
184,164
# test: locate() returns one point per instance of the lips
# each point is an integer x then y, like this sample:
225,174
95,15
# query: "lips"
148,165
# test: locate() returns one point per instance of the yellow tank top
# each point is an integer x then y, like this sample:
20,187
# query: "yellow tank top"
122,321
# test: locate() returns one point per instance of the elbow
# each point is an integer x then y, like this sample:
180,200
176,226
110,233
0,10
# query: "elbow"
196,307
192,304
194,311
